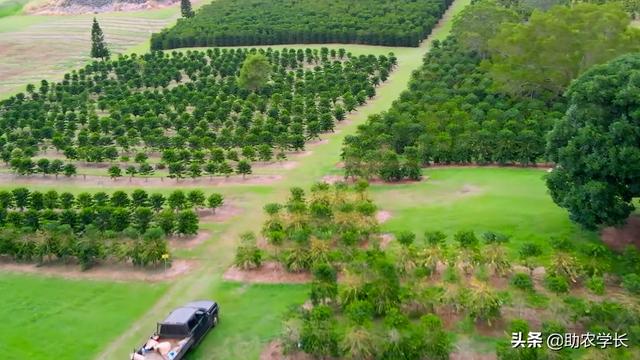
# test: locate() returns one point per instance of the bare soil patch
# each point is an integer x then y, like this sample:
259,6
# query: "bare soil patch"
189,242
221,214
275,351
332,179
106,182
628,234
111,272
469,189
383,216
271,272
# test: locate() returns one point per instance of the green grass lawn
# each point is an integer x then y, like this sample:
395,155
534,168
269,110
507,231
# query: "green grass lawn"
250,315
513,201
52,318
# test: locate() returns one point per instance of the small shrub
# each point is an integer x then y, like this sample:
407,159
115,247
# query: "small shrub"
562,244
631,282
596,284
466,239
530,250
557,284
406,238
522,281
491,237
360,312
435,237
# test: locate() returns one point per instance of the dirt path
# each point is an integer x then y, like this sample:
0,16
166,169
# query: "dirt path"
205,280
94,181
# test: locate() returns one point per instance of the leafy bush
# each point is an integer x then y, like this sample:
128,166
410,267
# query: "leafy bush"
522,281
556,283
528,250
631,282
596,285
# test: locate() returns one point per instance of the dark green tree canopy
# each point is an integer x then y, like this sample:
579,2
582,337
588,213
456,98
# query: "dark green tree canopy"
597,145
266,22
475,25
185,9
552,48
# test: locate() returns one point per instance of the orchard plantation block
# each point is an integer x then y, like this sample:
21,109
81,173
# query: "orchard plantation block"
188,107
265,22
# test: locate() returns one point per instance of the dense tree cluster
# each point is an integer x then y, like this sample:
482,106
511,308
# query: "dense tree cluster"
541,56
302,228
121,227
24,209
597,145
264,22
450,114
189,108
488,94
61,243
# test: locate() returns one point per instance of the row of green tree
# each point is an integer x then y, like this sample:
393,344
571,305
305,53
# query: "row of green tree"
22,198
195,101
260,22
490,92
62,243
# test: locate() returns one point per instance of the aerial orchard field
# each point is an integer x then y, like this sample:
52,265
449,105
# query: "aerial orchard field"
185,112
260,22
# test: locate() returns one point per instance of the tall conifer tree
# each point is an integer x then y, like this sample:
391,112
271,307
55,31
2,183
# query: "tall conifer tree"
98,45
187,11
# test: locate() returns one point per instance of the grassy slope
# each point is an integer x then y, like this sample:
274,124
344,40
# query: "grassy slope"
509,200
48,318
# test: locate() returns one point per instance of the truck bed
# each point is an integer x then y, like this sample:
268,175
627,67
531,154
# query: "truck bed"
177,345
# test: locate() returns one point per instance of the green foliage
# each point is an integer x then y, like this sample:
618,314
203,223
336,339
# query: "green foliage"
255,72
405,238
531,58
522,281
98,45
450,114
529,250
476,25
319,336
556,283
466,239
248,255
631,282
261,22
185,9
596,285
596,145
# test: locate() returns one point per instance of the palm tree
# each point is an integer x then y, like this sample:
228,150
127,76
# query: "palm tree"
360,343
495,256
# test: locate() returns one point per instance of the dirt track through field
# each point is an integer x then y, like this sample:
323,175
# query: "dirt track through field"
203,281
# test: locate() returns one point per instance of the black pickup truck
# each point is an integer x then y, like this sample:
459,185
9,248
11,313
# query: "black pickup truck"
181,331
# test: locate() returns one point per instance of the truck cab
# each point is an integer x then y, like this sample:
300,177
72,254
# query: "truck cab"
183,329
